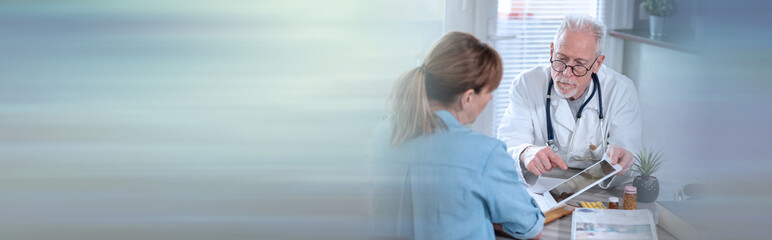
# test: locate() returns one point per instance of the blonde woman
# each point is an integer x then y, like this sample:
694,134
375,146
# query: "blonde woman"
436,179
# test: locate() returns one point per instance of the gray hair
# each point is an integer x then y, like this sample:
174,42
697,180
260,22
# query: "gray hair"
583,23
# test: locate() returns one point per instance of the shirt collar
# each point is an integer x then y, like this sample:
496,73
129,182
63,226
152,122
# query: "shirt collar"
448,118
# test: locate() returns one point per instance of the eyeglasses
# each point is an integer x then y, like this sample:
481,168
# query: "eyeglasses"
578,70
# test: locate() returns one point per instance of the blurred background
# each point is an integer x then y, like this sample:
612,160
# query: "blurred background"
246,119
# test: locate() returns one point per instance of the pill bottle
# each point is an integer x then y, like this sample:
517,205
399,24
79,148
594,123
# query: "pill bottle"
630,198
613,203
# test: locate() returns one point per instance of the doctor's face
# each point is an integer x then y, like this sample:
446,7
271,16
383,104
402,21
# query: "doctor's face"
575,49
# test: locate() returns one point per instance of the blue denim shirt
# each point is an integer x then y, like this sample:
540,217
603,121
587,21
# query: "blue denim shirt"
452,184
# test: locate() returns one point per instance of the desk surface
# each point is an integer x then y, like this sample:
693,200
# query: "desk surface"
561,228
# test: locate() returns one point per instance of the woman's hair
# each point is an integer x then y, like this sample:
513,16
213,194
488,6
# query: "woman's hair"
458,62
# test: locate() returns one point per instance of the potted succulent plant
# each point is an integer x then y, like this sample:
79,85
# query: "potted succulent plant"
657,10
647,162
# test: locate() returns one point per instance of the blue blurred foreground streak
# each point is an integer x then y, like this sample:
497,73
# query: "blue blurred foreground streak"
735,86
196,119
250,119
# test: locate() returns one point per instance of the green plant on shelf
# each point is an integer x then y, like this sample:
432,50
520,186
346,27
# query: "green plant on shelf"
659,8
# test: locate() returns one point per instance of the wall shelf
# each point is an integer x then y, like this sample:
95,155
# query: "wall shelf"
643,36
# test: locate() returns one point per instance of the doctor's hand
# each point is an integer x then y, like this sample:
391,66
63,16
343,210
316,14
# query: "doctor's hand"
541,159
620,155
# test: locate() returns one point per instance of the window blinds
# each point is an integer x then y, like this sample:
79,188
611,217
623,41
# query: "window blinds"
534,23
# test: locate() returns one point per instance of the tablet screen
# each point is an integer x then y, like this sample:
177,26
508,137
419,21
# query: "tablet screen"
581,180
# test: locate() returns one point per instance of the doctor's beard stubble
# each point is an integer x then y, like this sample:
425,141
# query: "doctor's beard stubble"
560,91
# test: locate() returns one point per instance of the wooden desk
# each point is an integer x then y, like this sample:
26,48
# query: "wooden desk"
561,228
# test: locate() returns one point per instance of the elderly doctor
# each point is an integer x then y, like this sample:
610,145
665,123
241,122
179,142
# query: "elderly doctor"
570,112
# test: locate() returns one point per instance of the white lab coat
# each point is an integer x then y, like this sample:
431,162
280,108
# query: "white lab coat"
524,121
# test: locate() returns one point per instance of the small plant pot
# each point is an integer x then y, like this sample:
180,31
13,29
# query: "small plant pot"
657,26
648,188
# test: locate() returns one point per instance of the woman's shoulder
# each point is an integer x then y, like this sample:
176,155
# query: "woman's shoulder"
460,147
480,140
473,146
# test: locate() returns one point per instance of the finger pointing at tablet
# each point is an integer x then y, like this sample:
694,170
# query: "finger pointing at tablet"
541,159
556,160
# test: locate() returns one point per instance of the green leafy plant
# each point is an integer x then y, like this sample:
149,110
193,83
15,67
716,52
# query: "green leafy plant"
647,162
660,8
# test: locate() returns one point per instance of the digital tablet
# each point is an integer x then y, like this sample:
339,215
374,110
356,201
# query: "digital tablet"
579,183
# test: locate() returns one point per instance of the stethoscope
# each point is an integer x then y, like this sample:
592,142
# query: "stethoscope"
551,135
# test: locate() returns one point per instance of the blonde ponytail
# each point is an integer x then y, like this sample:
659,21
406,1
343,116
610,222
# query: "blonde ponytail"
411,115
458,62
